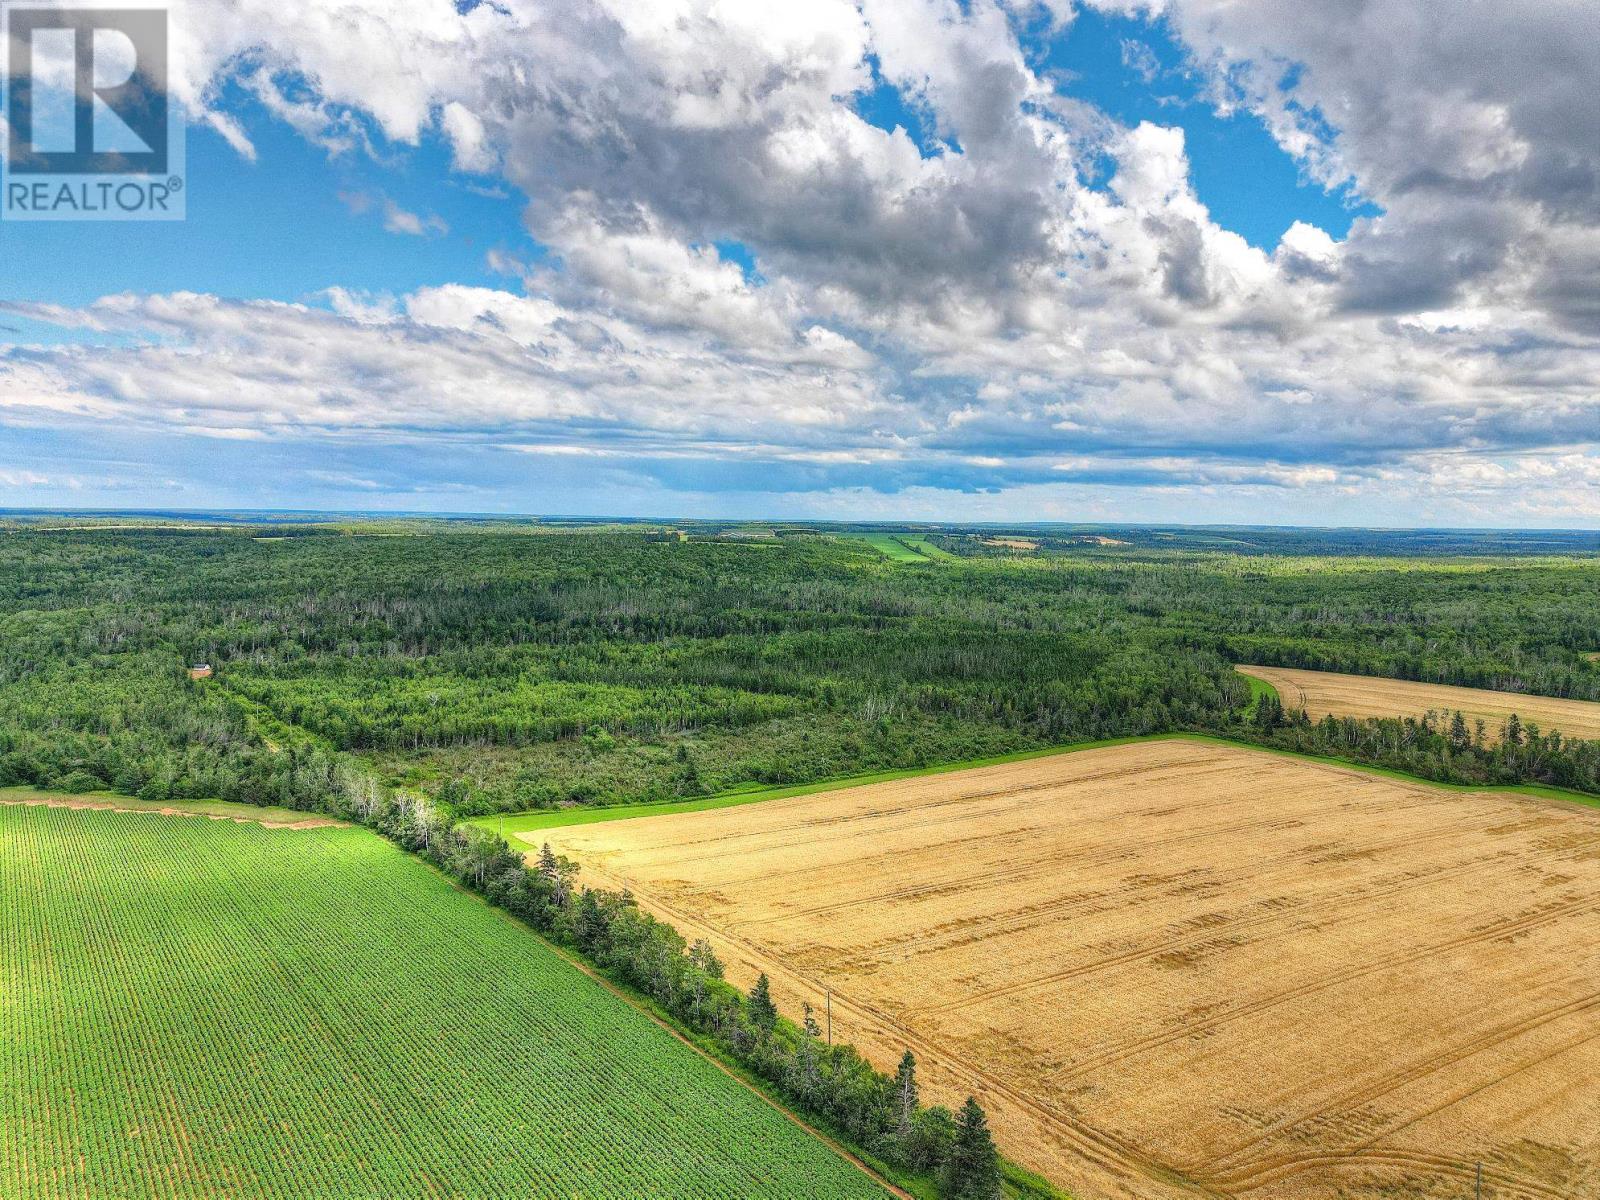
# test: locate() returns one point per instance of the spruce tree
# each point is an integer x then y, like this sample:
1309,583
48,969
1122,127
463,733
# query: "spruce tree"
972,1170
762,1011
547,863
1269,711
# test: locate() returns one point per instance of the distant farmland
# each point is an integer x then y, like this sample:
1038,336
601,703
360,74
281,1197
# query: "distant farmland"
903,547
193,1008
1176,968
1322,692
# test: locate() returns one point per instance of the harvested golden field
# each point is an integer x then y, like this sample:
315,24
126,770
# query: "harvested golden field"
1320,692
1181,968
1013,543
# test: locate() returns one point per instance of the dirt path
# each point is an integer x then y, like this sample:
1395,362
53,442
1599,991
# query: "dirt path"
270,818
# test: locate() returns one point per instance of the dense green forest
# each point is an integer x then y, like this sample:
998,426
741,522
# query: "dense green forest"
501,666
404,674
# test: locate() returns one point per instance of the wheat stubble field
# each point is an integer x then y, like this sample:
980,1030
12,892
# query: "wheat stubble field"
1176,968
1322,692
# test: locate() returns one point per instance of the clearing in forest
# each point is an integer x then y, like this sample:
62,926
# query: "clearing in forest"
203,1008
903,548
1177,968
924,546
1012,543
1322,692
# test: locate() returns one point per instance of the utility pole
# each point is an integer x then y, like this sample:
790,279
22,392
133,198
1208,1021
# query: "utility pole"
830,1016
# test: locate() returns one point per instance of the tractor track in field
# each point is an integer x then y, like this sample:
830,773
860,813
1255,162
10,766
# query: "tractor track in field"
1305,913
1098,1146
1507,1186
1193,972
1387,963
1497,1176
1237,1174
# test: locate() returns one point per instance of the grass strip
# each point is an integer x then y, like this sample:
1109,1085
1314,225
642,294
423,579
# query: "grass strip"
510,824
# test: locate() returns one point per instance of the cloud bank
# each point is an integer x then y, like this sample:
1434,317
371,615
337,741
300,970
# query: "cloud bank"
1021,294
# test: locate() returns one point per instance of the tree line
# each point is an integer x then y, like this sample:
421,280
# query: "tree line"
1441,746
831,1084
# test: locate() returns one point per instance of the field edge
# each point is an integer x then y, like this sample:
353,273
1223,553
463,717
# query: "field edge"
509,825
879,1177
268,815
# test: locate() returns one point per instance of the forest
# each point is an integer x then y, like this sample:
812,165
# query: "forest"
502,667
408,674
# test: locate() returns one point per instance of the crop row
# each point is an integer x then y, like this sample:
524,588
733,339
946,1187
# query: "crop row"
198,1008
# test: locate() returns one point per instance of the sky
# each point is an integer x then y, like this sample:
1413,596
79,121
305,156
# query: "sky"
973,260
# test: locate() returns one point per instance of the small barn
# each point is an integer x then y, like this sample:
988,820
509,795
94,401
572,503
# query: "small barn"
200,671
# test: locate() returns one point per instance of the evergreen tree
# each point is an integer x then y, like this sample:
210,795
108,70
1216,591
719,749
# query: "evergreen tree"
1269,711
763,1013
972,1170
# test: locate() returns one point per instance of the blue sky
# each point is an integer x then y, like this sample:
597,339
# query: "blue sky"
284,226
1114,266
1132,70
281,227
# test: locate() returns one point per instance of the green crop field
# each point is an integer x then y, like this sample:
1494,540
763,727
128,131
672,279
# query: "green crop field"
201,1008
904,547
922,546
